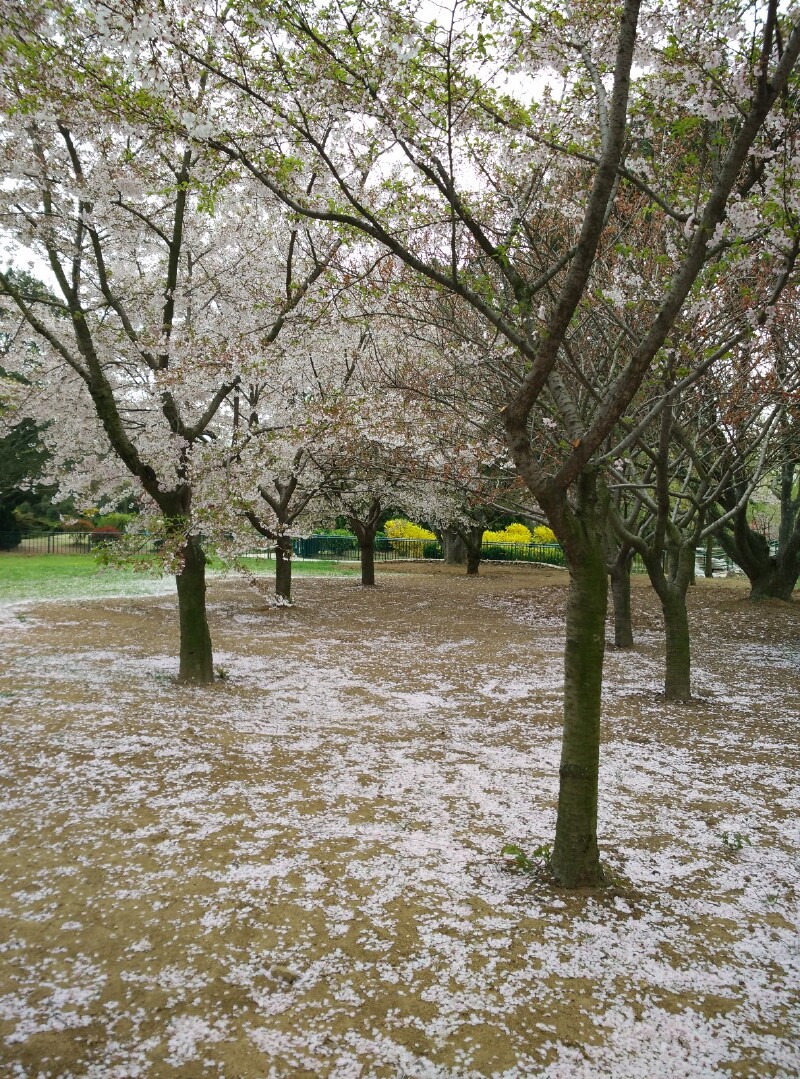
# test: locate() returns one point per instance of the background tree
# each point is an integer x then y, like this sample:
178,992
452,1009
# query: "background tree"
773,572
423,92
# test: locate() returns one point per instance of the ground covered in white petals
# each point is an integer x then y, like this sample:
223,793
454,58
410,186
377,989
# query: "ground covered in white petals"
297,872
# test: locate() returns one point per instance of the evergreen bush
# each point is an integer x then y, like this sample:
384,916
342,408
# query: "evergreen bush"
10,534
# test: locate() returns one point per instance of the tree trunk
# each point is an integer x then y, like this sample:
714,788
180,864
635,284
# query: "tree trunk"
196,659
472,539
677,678
671,590
283,569
775,582
453,549
620,574
366,547
576,858
708,568
771,576
365,528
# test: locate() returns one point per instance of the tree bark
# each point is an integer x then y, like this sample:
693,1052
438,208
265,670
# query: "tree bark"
472,539
708,568
620,573
771,576
453,549
283,568
196,663
776,581
576,858
365,528
677,677
671,590
366,547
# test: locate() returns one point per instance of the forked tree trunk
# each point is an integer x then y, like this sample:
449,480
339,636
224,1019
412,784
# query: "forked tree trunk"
620,573
772,575
283,568
576,858
196,660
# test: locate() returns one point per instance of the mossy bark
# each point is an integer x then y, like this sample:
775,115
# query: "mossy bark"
196,663
576,859
283,568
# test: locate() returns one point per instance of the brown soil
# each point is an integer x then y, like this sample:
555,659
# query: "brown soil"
297,872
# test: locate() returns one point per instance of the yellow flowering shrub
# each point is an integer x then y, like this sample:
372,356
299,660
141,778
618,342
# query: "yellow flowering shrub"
401,529
515,533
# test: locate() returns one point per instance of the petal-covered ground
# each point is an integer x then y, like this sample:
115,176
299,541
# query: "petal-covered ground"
297,872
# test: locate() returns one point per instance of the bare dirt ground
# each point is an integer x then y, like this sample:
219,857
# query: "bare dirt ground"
297,872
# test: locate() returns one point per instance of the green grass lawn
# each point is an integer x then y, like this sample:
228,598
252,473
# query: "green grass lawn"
73,576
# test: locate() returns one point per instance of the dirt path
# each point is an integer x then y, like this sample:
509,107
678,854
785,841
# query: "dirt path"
296,873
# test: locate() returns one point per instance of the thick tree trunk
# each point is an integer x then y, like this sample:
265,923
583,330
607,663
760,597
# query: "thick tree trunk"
620,574
677,678
453,549
708,568
196,659
473,562
576,859
366,547
771,575
775,582
283,569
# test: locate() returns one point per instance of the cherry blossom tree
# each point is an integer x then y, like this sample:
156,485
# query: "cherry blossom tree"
773,574
507,155
170,281
286,424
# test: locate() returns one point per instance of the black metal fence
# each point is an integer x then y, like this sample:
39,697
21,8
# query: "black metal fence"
345,548
326,548
321,547
69,542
